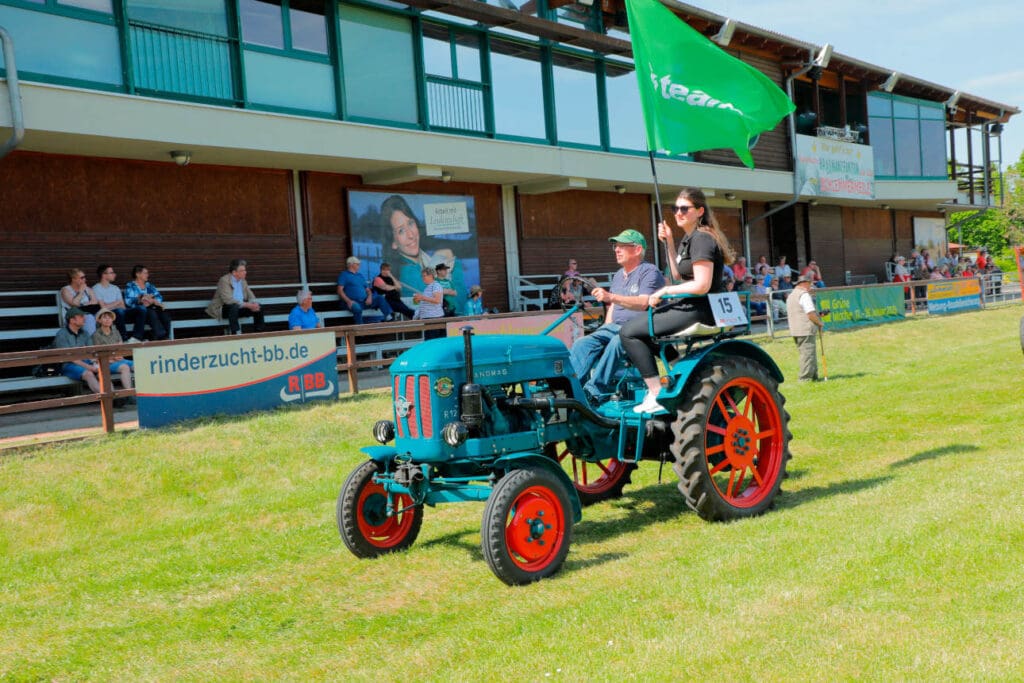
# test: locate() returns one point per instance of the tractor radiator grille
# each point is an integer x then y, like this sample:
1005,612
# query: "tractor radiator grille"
416,391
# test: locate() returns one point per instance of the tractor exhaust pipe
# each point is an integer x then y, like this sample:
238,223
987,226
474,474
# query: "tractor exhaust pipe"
471,395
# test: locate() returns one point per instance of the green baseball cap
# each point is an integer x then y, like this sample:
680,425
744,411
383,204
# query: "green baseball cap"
629,236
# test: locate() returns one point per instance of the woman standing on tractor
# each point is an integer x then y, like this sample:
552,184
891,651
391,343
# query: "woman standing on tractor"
696,270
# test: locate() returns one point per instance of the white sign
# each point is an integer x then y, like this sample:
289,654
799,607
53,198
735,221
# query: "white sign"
727,309
833,168
448,218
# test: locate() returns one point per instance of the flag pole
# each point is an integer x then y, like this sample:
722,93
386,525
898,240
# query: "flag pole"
657,199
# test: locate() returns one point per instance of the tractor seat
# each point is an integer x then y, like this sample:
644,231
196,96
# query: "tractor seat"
695,330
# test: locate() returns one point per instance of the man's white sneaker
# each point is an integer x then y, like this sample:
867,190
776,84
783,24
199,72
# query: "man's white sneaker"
133,340
650,405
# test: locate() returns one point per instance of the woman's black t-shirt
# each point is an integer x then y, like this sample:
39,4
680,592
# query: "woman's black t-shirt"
700,246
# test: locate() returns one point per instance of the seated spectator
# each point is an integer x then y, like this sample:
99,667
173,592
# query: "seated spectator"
571,270
146,306
452,306
936,274
78,294
431,302
739,269
728,273
729,284
758,297
890,267
785,284
782,268
475,303
105,334
814,273
390,288
303,317
234,299
982,261
73,335
110,297
926,258
356,295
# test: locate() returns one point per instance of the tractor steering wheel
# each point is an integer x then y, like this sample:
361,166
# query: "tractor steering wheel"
573,289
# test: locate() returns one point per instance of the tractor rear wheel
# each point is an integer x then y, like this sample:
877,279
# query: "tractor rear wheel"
363,520
731,440
527,526
593,481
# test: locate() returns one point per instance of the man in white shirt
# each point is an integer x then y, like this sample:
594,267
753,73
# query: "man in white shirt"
803,317
110,297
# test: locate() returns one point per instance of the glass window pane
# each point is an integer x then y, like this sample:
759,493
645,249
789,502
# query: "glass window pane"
467,56
908,148
59,46
933,112
285,82
437,50
261,22
933,148
204,16
625,117
309,25
95,5
376,49
882,146
901,109
576,100
879,105
518,91
524,6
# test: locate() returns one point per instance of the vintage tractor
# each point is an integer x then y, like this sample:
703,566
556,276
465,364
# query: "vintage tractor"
504,419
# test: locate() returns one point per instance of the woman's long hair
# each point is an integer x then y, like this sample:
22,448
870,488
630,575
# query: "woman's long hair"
708,223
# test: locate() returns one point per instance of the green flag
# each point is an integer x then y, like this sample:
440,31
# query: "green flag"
694,95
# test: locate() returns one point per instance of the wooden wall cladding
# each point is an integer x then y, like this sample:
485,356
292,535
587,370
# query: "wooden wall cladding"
576,224
185,224
760,244
328,234
772,150
868,234
826,236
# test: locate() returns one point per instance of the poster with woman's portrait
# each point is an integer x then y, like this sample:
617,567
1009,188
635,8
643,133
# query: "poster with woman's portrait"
411,231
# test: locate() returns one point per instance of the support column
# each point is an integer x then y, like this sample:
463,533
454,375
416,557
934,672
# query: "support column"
300,227
509,220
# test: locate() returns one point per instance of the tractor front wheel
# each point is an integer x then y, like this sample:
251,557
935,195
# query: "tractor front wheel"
731,440
527,526
365,523
593,481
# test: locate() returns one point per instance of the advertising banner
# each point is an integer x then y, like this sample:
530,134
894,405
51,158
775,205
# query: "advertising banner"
862,306
833,168
952,296
410,231
569,331
233,375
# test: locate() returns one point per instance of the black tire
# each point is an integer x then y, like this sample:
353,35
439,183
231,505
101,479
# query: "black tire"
362,515
593,481
731,440
527,526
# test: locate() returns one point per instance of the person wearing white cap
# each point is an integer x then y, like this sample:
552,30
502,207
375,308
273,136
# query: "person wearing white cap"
803,317
356,295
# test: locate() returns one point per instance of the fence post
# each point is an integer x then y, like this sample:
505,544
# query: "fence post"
353,371
106,388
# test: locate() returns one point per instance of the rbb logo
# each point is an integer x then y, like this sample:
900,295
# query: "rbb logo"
306,382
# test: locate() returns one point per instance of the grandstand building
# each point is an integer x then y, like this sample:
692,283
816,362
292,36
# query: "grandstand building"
183,133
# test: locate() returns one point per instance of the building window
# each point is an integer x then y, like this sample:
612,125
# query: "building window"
517,85
378,65
907,136
625,117
576,108
456,95
201,16
285,24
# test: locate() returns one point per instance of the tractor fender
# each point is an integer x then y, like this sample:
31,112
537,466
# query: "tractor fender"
684,367
382,454
518,461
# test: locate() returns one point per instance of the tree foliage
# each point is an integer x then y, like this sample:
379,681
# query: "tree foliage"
998,228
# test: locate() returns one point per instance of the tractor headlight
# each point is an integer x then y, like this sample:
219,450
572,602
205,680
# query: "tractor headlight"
384,431
455,433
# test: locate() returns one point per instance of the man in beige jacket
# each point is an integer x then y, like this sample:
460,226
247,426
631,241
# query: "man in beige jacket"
234,298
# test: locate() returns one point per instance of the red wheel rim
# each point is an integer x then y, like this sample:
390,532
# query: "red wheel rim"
535,529
593,477
744,442
375,525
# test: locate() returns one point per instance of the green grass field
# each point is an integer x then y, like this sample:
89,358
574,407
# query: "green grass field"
210,552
